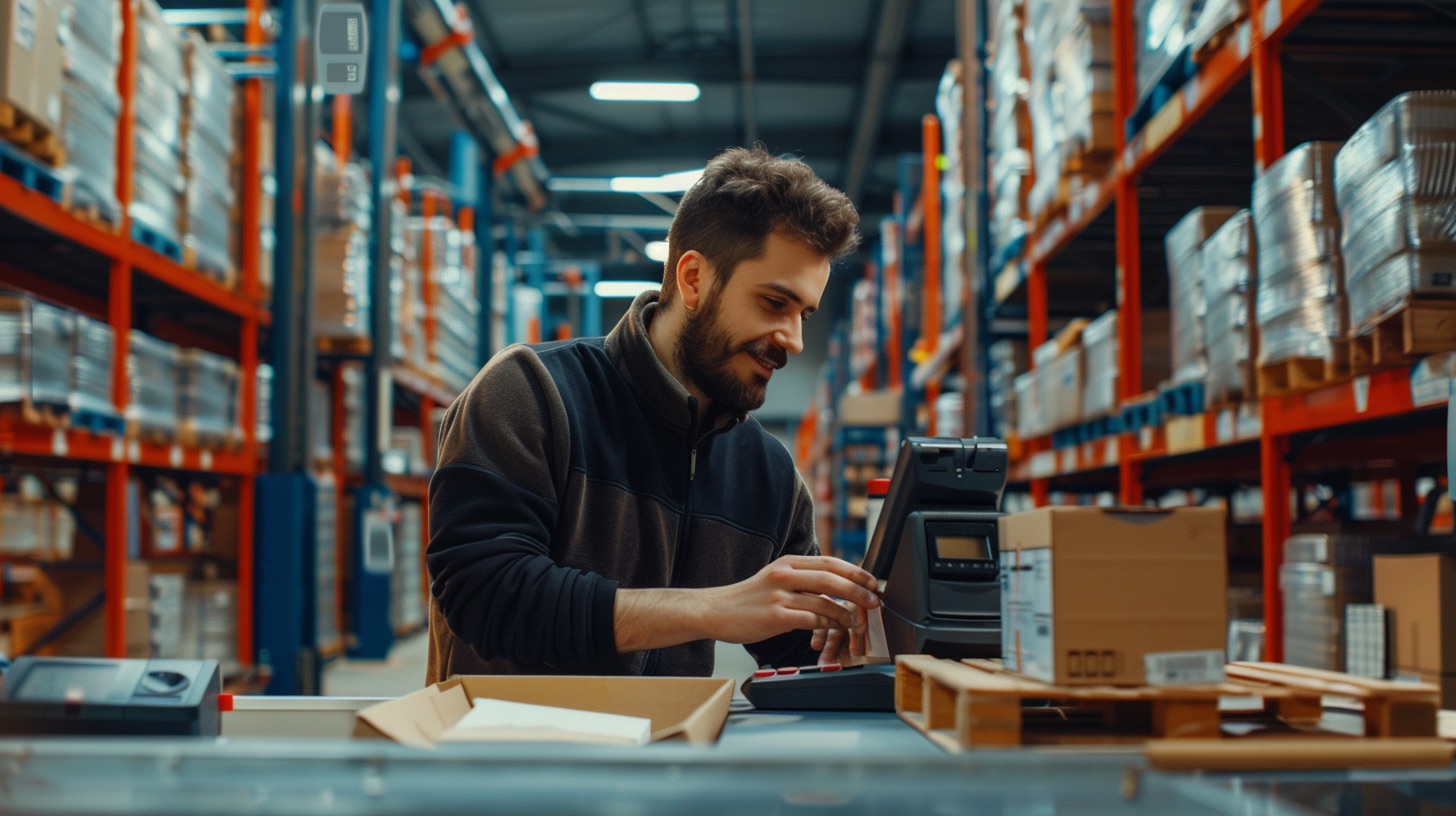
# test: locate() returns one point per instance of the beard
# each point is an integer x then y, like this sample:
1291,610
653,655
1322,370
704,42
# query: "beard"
705,354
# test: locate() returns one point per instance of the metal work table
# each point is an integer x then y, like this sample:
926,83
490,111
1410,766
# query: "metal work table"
764,764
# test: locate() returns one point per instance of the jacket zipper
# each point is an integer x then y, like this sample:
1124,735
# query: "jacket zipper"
655,656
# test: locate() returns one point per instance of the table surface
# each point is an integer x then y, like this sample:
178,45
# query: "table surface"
814,762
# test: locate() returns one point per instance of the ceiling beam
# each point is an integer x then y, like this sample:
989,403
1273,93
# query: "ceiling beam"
824,66
745,70
878,77
567,156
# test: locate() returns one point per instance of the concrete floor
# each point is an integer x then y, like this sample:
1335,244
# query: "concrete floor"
404,671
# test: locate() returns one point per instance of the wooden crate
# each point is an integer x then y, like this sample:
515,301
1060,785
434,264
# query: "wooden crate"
978,704
28,135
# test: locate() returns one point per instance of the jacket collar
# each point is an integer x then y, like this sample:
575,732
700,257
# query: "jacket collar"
630,350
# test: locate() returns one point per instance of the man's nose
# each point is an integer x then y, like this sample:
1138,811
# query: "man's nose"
790,337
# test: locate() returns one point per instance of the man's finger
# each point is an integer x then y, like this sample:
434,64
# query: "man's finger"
834,615
817,642
838,566
821,582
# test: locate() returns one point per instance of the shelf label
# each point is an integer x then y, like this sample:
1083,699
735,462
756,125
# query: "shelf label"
1223,427
206,460
118,449
1191,92
1109,454
1145,438
1251,422
133,450
1428,389
60,445
176,456
1068,462
1245,34
1273,16
1361,386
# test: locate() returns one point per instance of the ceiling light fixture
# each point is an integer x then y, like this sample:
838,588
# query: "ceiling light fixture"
656,251
644,91
623,289
667,183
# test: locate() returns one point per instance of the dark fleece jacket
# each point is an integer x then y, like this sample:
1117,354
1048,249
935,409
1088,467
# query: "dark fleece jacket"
569,469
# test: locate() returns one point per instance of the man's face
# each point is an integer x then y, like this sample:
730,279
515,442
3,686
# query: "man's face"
744,330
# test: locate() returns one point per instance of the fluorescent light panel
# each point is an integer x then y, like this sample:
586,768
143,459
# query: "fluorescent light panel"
644,91
623,289
656,251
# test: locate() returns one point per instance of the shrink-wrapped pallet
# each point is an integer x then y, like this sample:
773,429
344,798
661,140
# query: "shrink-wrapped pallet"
1184,244
1008,359
208,146
1395,181
341,251
207,403
1301,306
1100,362
1229,281
158,178
152,372
91,367
90,54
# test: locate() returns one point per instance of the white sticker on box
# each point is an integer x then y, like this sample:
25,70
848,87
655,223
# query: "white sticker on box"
1273,16
1010,609
1361,387
1428,389
25,24
1037,642
1182,668
1223,427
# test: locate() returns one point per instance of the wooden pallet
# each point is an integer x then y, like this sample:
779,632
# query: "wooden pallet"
1421,326
225,275
28,135
149,433
978,704
1297,375
39,413
190,435
344,346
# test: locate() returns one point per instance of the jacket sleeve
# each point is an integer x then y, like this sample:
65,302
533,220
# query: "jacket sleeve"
792,648
493,506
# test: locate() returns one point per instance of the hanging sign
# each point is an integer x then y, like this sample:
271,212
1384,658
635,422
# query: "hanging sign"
341,47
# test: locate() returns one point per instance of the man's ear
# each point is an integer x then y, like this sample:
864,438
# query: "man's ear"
693,277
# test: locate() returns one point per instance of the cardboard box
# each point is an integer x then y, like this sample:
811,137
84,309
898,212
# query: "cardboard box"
1087,592
30,59
690,708
1419,591
873,408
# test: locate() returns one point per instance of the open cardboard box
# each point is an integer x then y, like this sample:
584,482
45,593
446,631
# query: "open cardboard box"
689,708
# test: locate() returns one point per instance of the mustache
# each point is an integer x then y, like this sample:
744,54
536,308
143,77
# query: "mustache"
769,353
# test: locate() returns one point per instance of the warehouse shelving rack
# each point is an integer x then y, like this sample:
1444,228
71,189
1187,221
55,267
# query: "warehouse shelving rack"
1344,426
81,264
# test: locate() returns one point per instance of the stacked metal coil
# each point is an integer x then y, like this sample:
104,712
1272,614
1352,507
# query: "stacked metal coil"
1184,244
1230,275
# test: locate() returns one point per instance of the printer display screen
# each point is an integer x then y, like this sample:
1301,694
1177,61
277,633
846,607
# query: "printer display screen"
962,547
88,681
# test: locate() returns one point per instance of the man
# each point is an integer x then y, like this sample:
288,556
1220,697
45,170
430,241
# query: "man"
605,505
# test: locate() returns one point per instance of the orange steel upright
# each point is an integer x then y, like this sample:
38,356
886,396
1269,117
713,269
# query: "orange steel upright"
1036,334
343,135
931,240
1129,247
119,314
251,250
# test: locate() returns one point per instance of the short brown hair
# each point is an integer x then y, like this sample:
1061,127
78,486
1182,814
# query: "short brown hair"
742,197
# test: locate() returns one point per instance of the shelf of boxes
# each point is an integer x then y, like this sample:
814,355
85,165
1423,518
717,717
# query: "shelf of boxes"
101,242
1178,117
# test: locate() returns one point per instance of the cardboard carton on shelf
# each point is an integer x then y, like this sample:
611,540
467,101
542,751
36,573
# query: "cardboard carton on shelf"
689,708
1089,592
30,62
1419,593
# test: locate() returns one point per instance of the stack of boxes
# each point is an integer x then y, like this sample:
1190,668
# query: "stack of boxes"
35,524
1009,134
1186,298
343,214
1395,182
1059,363
91,369
406,580
1302,310
91,52
1099,349
207,130
455,309
208,398
1009,358
158,183
1070,98
407,305
1229,278
35,353
152,371
1170,33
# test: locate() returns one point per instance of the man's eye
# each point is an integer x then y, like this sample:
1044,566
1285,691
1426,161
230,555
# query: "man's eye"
774,303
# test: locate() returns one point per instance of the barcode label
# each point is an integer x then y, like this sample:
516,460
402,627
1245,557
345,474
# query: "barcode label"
1178,668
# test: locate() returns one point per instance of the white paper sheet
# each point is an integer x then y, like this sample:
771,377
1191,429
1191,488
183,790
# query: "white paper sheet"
503,720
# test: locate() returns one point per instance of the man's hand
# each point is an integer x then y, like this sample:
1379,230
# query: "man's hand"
839,645
788,594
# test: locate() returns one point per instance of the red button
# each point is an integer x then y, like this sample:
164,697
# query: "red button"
765,673
224,702
789,670
828,667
